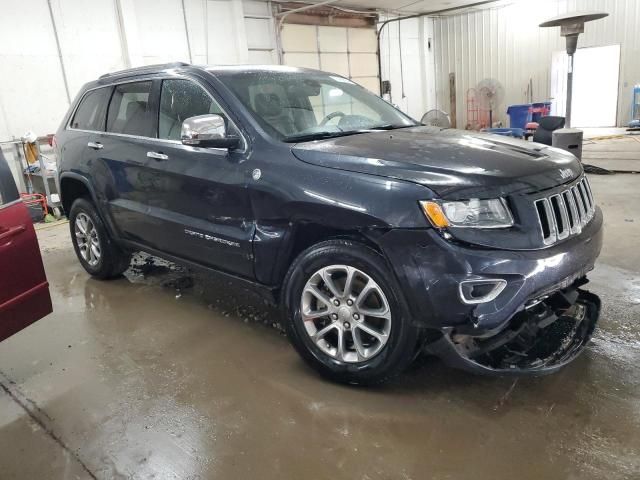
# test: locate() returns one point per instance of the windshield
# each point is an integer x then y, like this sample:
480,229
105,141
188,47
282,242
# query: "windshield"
295,106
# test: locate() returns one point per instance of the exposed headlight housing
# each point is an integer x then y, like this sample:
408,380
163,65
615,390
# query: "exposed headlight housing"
473,213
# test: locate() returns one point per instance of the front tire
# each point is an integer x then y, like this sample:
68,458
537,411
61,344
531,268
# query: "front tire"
97,252
345,316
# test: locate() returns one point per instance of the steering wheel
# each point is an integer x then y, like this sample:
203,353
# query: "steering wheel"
326,119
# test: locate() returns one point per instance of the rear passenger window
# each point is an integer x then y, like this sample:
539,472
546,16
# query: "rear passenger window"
91,111
179,100
129,110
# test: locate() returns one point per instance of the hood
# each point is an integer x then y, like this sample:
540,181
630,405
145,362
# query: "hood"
452,163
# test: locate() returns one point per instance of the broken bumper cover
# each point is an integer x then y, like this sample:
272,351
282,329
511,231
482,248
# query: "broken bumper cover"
537,341
432,270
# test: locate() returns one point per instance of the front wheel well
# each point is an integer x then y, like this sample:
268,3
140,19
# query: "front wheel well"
306,235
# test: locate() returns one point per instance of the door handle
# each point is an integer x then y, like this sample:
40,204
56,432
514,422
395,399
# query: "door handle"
11,232
95,145
157,155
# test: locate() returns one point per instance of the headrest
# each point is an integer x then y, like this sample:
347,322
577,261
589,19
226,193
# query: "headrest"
135,108
267,105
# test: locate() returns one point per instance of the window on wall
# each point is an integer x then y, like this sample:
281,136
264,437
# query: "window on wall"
129,110
91,111
179,100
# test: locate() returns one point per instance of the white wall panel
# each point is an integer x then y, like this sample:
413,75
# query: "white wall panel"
332,39
261,38
255,8
335,63
227,38
403,65
329,49
364,65
302,60
106,35
258,33
85,38
299,38
362,40
195,11
505,43
32,91
161,32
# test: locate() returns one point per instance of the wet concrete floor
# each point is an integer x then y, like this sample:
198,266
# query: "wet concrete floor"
157,376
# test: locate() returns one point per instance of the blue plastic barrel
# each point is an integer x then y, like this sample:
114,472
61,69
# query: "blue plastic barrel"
519,115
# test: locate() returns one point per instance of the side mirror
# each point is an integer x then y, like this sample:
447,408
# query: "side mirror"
208,131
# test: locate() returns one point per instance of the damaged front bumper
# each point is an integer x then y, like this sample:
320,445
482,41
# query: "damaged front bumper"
498,311
538,340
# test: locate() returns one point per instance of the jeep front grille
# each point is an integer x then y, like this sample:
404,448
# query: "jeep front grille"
566,213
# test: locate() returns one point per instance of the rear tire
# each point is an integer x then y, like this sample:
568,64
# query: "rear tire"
370,337
96,250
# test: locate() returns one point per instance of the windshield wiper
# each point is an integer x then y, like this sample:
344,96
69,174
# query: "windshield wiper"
389,126
307,137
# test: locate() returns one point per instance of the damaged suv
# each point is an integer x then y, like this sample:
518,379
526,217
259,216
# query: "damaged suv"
378,236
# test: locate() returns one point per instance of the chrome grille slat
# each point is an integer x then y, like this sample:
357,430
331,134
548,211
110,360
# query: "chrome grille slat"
589,192
576,226
566,213
562,223
582,211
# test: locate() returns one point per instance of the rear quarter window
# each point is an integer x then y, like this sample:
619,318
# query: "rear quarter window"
90,114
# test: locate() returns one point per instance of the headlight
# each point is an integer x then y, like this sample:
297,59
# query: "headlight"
474,213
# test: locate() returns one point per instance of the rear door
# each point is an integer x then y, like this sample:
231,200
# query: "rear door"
24,291
121,170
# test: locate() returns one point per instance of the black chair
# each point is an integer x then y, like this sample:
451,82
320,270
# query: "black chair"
546,126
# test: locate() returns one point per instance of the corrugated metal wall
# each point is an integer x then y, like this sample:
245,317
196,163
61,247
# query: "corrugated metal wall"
506,44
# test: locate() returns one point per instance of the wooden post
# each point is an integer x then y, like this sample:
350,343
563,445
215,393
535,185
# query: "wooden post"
452,99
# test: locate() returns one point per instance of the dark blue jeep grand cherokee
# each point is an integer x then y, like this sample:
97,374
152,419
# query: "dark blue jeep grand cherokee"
379,237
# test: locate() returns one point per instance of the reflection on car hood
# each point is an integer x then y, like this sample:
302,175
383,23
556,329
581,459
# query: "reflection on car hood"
452,163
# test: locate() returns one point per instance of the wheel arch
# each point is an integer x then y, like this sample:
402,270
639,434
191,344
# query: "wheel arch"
305,234
74,186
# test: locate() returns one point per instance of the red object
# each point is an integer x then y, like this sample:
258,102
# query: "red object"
543,111
473,111
34,199
24,291
531,126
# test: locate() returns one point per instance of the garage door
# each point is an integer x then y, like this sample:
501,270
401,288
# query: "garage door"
350,52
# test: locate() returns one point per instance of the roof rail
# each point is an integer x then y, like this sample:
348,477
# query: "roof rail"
143,69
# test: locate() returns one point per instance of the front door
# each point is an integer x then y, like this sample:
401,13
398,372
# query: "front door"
24,291
199,194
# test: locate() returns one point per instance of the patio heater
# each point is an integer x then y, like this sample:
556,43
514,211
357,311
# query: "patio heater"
571,26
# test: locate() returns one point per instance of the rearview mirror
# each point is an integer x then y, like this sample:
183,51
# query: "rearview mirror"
208,131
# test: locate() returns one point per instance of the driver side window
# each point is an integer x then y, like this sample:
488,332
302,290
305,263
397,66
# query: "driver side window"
179,100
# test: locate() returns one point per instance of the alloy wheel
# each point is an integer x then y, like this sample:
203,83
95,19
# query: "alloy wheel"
346,313
87,239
